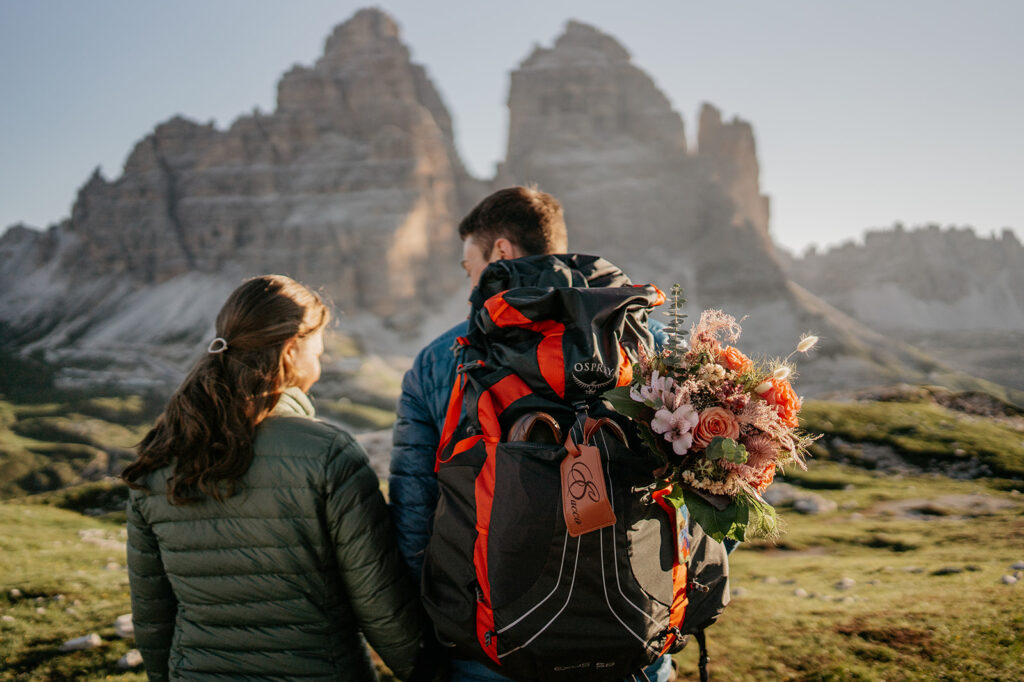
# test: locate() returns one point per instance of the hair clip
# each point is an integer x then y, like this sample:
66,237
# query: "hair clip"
218,345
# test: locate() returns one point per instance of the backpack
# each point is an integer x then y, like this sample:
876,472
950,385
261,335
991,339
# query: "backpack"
553,555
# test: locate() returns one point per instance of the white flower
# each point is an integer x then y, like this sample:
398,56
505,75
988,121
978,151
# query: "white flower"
660,390
676,426
763,387
806,343
782,373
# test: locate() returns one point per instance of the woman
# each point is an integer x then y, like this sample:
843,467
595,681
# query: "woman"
259,545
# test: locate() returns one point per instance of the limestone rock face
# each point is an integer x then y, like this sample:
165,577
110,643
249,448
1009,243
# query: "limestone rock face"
590,127
731,156
594,130
924,279
352,184
953,294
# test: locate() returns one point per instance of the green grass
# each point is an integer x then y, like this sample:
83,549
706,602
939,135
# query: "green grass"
922,432
912,624
356,415
43,554
50,445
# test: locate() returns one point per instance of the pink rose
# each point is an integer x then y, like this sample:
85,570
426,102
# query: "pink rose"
715,421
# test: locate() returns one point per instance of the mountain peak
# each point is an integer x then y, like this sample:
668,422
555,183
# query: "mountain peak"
367,29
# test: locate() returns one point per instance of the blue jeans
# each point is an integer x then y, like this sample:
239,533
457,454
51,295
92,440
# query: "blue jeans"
471,671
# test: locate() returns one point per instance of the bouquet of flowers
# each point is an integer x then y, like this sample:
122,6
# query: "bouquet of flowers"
721,423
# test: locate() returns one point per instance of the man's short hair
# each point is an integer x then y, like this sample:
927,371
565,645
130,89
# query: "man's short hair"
527,217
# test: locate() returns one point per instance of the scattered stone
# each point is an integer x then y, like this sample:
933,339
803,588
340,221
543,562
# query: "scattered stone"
800,592
15,593
814,504
40,600
132,659
849,600
59,598
949,506
7,619
948,570
112,566
1010,580
914,569
40,610
770,580
845,584
873,582
1018,574
740,591
70,611
856,516
90,641
100,538
781,494
791,581
125,628
1019,566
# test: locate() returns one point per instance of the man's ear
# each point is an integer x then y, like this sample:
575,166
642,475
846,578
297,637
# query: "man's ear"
505,249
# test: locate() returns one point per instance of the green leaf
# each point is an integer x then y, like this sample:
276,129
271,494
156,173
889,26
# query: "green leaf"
727,449
676,498
623,403
731,522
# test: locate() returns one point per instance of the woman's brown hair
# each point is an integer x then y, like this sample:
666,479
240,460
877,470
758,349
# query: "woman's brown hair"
208,426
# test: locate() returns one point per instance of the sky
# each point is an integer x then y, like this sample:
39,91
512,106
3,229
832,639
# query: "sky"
865,112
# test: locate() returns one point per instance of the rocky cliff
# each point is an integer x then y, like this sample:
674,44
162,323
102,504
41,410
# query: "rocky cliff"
593,129
926,279
955,294
352,183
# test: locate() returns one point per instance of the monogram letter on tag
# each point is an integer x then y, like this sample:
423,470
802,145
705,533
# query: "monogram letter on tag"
584,496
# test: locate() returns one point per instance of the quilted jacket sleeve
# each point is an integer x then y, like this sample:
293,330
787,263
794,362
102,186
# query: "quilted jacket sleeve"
379,588
412,486
153,603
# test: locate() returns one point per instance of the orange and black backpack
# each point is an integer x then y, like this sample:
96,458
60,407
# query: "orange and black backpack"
552,555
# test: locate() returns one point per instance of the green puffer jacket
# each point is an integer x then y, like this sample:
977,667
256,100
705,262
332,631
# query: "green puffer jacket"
278,581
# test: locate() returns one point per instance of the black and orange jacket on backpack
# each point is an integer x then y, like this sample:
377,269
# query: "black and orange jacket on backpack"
550,557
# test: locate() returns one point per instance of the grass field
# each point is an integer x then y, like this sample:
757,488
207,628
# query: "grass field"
927,555
924,554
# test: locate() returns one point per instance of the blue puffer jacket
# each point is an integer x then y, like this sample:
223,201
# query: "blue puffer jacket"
417,433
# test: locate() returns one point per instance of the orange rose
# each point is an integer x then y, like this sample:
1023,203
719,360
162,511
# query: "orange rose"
784,398
715,421
734,359
764,479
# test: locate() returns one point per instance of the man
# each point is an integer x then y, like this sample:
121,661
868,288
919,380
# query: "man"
510,223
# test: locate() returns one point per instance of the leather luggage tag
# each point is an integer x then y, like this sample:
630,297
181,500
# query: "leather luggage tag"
585,500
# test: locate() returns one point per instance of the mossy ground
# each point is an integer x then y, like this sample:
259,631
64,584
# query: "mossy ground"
925,433
928,602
